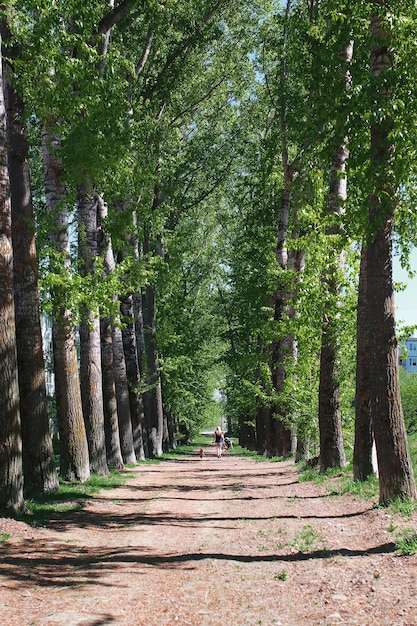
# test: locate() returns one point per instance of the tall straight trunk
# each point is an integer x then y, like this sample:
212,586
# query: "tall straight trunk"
130,340
278,435
141,360
296,265
395,471
90,346
111,424
153,380
119,363
73,441
330,422
133,375
122,394
11,477
362,450
153,394
247,434
262,417
332,452
40,474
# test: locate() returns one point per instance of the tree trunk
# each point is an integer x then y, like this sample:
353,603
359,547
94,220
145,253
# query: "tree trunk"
262,417
11,478
111,424
275,435
90,347
362,450
40,474
133,375
153,377
395,471
247,434
278,435
153,381
122,394
330,423
73,441
332,452
141,358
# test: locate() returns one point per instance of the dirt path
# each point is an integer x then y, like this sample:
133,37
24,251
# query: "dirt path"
229,541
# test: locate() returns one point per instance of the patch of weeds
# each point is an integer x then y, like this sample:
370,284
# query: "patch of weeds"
391,527
281,576
406,541
4,537
365,489
275,459
252,454
307,539
262,548
405,508
310,475
313,474
263,533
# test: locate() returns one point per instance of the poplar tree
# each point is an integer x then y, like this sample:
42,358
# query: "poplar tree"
395,471
11,476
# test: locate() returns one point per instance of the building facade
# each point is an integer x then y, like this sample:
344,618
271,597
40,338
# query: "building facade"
408,358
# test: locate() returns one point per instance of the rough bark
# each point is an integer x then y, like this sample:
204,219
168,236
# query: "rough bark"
40,474
278,434
11,477
330,422
141,359
74,461
90,347
133,375
396,478
122,394
262,417
153,380
153,393
362,450
111,424
332,452
247,434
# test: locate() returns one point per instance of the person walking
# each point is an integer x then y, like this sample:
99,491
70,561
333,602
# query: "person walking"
218,440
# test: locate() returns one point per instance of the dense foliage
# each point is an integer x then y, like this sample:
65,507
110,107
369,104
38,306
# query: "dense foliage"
209,130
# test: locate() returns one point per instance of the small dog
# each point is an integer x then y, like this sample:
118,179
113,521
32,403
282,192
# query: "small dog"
201,453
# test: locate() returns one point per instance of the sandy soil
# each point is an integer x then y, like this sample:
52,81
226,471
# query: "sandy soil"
211,541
